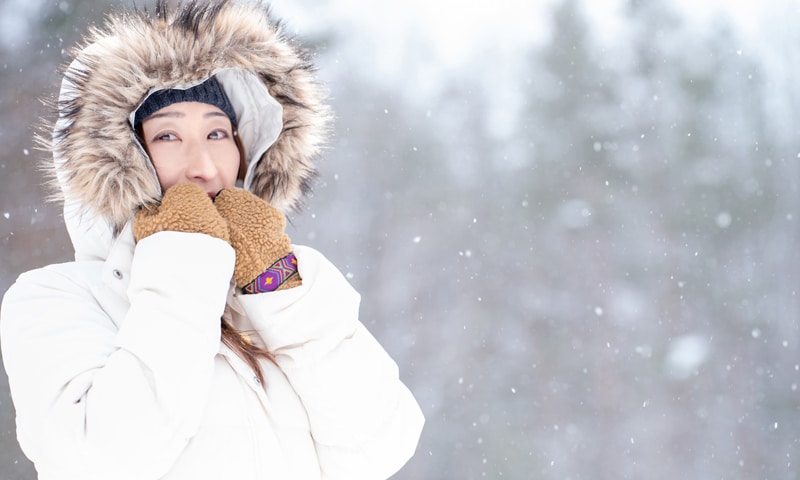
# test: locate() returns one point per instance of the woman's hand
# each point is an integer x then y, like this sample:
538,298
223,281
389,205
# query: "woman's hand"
185,207
256,234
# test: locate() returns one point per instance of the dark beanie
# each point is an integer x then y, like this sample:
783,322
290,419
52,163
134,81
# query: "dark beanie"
209,92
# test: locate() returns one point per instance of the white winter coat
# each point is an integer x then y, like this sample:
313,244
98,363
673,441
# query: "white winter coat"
117,371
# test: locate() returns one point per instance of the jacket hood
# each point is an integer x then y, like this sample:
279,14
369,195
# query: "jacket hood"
101,171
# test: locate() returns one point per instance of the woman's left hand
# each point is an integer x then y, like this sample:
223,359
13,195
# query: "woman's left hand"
256,234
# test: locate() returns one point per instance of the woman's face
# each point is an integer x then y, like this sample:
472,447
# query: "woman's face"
192,142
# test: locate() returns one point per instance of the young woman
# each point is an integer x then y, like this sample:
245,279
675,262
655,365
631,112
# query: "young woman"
190,339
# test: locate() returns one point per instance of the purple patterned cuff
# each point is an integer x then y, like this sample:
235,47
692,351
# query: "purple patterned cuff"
274,276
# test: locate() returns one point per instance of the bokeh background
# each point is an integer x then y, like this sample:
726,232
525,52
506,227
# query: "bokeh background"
574,223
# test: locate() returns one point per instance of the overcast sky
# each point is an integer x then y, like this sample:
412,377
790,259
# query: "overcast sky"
456,29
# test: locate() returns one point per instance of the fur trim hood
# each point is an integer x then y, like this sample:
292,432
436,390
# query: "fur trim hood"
101,170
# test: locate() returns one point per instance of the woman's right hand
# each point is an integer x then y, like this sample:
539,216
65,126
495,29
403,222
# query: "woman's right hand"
185,207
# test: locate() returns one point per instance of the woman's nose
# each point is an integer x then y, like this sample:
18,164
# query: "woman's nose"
200,164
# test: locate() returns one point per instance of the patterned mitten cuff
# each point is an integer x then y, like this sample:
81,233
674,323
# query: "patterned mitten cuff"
278,274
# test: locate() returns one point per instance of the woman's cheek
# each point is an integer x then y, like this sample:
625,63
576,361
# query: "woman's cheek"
167,174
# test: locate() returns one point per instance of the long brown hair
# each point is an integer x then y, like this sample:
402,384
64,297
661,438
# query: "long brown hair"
234,339
244,348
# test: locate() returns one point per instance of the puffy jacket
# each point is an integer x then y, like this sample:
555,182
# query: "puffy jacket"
115,362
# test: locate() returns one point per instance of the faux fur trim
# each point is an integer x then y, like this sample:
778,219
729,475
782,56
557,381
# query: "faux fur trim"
98,161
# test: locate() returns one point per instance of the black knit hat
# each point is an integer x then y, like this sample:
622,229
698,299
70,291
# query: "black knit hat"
209,92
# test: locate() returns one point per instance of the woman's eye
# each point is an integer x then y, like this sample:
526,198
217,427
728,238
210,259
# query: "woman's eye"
218,135
166,137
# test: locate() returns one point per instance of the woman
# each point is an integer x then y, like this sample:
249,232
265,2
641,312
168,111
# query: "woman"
189,339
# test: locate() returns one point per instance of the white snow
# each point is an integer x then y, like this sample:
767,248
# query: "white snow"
685,355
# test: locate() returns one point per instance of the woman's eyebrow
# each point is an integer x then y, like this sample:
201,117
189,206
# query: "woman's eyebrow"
172,114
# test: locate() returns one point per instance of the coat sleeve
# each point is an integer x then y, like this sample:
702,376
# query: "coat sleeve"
364,421
97,401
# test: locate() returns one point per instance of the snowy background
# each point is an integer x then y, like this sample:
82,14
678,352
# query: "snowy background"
574,223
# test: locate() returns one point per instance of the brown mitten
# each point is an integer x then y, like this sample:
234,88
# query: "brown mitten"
256,234
185,207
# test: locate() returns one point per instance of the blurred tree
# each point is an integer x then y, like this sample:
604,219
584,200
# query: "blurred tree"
706,164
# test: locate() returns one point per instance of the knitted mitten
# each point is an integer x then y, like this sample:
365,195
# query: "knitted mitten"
185,207
257,235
